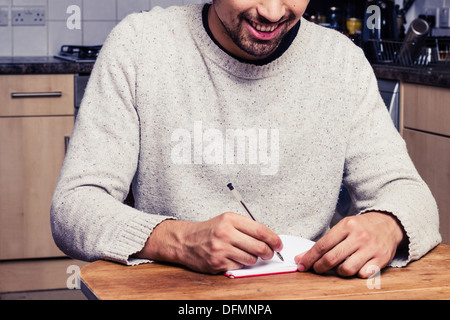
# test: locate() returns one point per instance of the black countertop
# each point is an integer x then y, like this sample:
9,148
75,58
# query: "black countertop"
436,76
42,65
433,76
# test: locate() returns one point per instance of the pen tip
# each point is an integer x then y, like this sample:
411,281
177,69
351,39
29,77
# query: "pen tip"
230,186
280,256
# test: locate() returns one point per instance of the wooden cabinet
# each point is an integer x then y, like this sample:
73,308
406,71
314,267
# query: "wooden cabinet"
36,117
426,130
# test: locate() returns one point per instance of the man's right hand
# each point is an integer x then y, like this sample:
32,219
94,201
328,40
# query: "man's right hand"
228,241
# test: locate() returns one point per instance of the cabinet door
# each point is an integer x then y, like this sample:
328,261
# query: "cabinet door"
32,152
431,156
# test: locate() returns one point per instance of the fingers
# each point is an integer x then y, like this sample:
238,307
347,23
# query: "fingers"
371,268
353,247
347,260
321,255
253,237
354,263
252,246
231,241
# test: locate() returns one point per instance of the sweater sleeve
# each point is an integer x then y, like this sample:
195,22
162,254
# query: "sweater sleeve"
380,174
88,218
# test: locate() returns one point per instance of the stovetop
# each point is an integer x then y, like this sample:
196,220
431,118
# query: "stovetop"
76,53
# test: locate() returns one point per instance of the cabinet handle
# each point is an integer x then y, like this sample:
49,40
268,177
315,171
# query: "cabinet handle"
54,94
66,143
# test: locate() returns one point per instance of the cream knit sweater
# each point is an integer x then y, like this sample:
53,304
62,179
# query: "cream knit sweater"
170,112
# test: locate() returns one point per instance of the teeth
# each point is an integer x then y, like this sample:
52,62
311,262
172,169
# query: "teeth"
263,28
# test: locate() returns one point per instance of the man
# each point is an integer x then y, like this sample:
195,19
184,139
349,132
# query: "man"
183,101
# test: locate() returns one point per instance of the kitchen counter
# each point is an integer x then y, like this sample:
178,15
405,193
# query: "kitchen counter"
434,76
42,65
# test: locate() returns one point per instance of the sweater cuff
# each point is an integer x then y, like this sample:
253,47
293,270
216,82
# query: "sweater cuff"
131,238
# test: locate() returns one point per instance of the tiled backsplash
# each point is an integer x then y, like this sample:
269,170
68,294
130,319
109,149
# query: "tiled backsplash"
98,17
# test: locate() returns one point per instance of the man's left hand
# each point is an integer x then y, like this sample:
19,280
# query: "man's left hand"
354,244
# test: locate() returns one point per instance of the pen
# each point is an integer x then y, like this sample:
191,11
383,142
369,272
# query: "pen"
241,202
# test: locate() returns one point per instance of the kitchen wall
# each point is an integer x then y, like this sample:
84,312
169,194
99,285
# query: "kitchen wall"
428,7
98,17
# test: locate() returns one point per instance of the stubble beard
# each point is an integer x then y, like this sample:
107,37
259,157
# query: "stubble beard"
252,46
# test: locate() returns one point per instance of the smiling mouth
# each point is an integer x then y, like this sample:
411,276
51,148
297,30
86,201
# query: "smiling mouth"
263,28
265,32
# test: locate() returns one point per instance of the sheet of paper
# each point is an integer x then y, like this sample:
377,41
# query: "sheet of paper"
292,246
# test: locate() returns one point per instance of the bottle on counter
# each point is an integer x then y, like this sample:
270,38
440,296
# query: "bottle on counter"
354,28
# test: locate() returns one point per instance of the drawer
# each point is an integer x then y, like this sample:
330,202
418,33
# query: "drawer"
36,95
426,108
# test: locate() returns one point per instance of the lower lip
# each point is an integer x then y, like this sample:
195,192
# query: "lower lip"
263,35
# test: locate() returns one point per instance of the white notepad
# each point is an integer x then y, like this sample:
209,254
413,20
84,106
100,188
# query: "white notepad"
292,246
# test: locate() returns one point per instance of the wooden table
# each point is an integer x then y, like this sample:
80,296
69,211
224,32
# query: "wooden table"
428,278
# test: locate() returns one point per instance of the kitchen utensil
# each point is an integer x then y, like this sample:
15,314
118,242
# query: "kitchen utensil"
414,40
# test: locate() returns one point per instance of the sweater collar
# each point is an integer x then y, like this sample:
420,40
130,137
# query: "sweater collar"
241,69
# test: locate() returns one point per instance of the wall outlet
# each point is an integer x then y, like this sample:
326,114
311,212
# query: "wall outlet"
4,13
28,16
